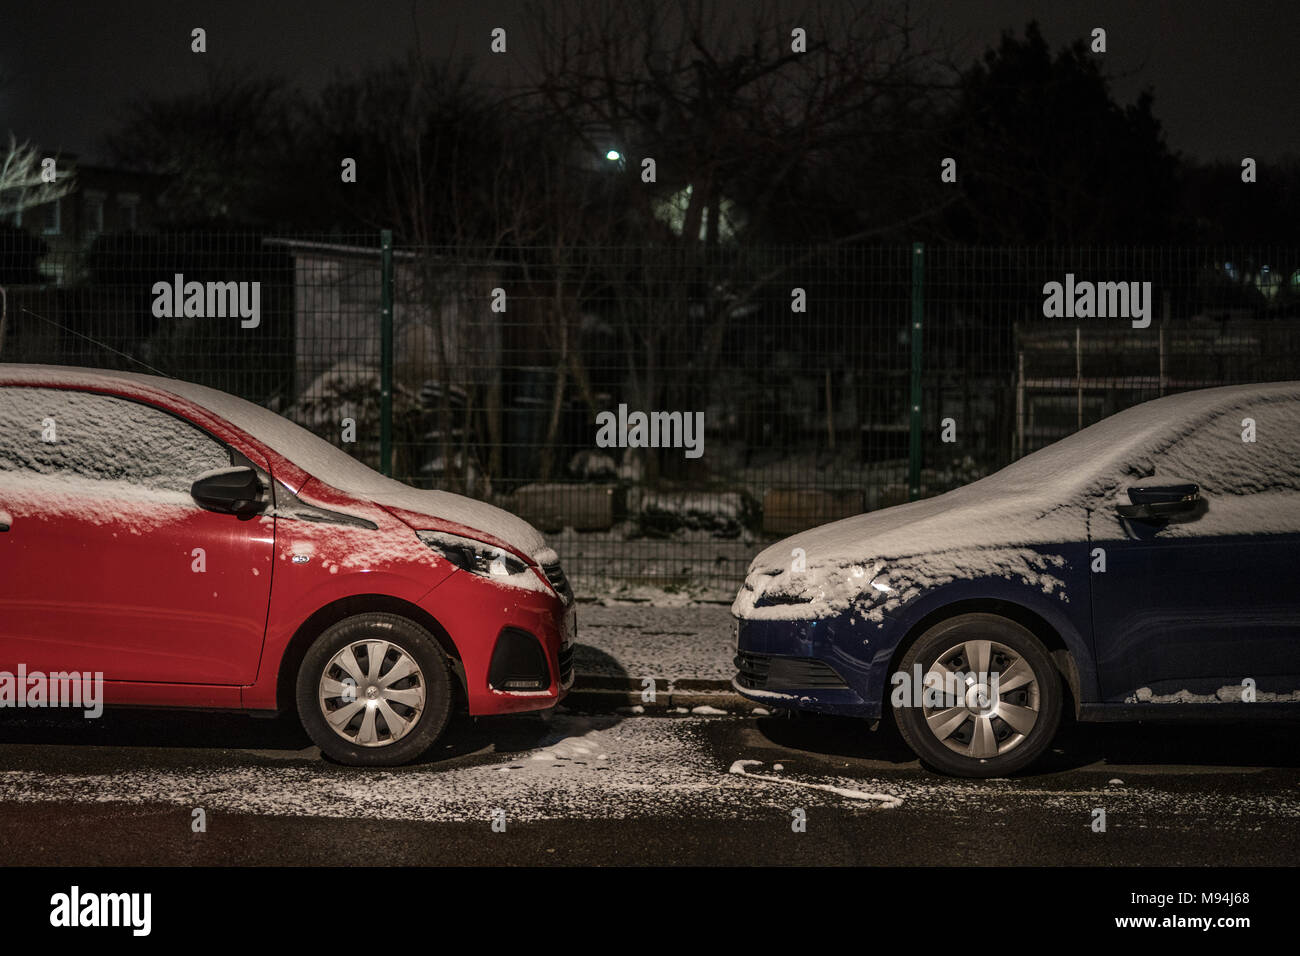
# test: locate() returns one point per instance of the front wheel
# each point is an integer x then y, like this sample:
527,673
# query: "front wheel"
991,700
374,690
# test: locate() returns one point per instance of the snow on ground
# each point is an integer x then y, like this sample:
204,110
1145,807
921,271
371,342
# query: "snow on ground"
611,592
664,643
588,768
741,768
610,768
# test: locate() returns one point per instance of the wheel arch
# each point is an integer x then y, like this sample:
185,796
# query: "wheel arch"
354,604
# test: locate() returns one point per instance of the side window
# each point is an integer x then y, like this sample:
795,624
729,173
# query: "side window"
69,435
1250,449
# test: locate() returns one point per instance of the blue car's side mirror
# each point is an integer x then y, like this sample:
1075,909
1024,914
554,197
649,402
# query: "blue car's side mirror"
1155,500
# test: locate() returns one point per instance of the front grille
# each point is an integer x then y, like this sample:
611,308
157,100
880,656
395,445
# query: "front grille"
555,574
765,672
752,670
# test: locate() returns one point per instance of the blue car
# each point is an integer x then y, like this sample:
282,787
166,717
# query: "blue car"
1145,567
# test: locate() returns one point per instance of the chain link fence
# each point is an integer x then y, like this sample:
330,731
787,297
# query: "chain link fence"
828,380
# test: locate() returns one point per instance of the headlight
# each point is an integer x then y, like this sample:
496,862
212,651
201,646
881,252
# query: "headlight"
475,556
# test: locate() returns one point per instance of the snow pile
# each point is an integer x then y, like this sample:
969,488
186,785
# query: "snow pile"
348,389
722,513
1230,694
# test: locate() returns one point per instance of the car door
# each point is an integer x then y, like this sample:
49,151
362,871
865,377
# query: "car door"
108,565
1191,608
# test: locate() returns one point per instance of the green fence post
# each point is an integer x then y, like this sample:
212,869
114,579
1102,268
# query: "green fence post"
386,352
914,432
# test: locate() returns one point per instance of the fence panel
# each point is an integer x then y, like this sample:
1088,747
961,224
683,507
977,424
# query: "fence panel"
521,376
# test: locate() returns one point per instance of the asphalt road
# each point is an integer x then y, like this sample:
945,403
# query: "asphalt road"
611,789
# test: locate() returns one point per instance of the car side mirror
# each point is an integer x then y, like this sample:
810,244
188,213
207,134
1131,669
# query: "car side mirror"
237,491
1156,499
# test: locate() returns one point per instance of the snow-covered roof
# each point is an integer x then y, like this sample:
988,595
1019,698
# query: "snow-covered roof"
312,454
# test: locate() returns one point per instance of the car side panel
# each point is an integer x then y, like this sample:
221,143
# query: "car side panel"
862,651
317,564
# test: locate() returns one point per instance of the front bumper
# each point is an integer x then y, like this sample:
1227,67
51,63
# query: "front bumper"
515,646
809,665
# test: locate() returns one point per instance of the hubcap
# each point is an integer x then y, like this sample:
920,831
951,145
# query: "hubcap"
372,693
988,697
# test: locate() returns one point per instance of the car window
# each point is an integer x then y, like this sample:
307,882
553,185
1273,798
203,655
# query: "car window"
1248,487
60,433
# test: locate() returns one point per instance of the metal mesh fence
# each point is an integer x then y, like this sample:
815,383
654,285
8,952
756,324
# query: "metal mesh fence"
520,376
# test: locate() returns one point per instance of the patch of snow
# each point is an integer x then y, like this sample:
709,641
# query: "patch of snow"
525,580
886,801
133,506
1229,694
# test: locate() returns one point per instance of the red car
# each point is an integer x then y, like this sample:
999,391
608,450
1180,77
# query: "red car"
201,551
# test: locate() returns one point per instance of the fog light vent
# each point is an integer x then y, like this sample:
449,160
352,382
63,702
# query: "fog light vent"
518,662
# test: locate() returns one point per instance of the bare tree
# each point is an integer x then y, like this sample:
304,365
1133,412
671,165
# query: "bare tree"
23,183
760,124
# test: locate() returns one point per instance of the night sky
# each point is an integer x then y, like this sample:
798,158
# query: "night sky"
1224,74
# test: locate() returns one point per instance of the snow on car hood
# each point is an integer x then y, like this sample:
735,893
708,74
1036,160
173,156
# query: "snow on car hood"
881,560
446,511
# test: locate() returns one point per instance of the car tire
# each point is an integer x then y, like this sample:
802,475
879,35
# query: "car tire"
997,736
388,712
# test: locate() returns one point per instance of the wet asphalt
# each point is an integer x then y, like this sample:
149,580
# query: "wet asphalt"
123,790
